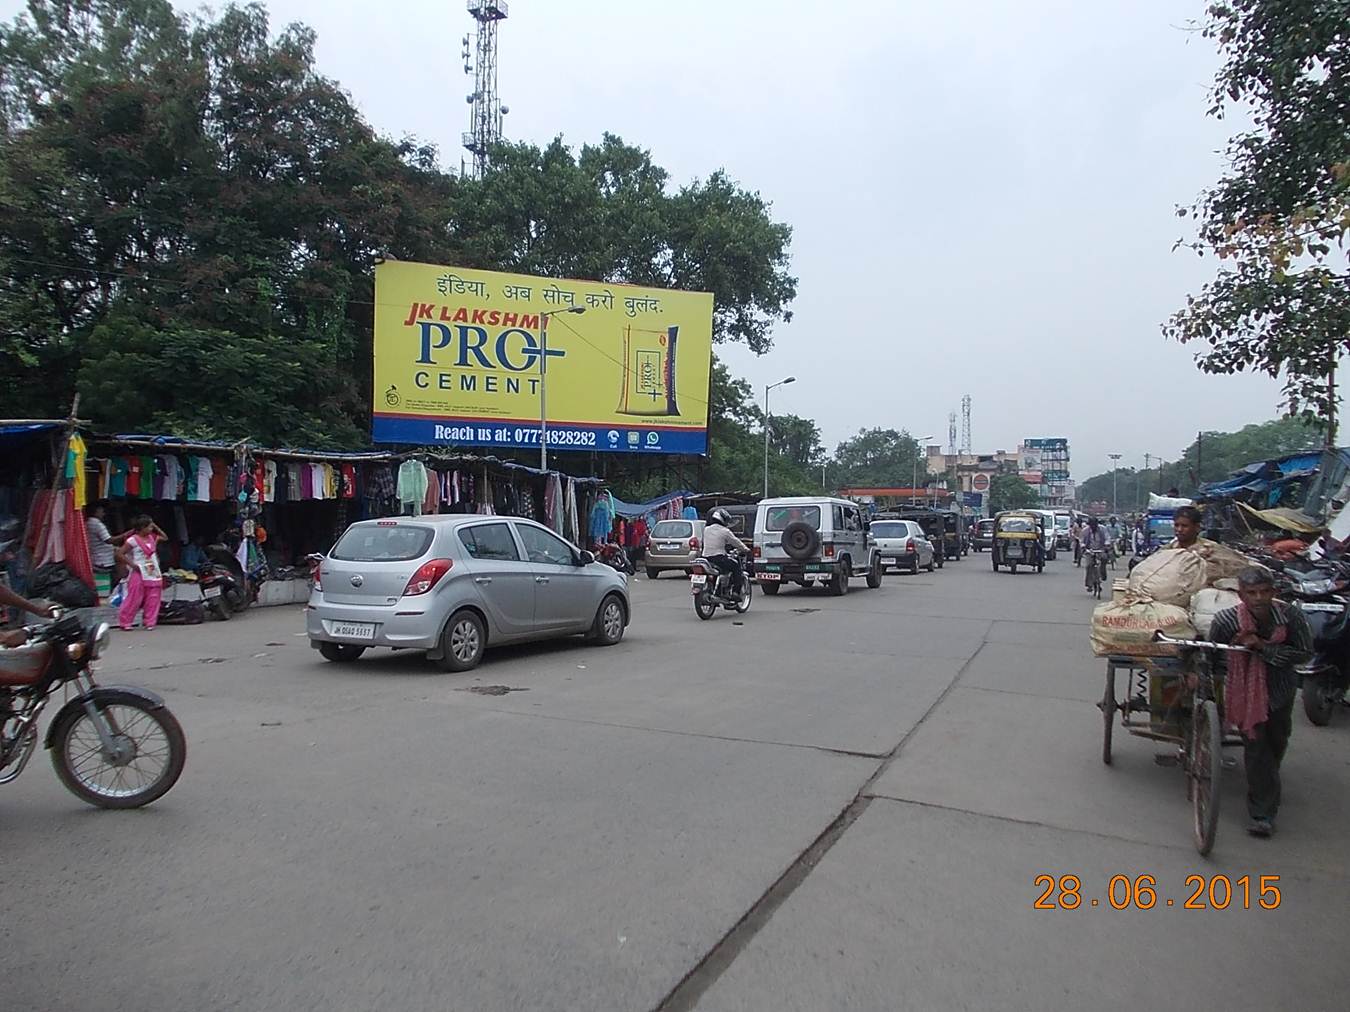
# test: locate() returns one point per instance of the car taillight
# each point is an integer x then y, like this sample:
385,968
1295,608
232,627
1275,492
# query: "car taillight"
318,584
427,576
693,544
755,551
829,551
909,545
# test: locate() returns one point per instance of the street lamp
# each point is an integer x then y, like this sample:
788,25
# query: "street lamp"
1114,469
783,382
914,479
543,374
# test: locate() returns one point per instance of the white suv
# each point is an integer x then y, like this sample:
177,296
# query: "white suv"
813,541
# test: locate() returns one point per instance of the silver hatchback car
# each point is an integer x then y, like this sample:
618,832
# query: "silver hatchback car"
453,585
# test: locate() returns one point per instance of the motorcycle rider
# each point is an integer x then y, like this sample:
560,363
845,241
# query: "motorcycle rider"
717,540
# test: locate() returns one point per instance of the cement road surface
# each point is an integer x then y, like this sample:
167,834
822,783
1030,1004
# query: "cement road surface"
832,803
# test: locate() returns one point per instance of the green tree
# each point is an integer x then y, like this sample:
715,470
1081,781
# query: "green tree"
1212,456
607,214
168,178
882,458
1278,219
1010,492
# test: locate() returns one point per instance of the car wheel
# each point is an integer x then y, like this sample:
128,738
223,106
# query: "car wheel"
463,641
874,574
607,629
930,567
340,653
839,585
770,589
652,574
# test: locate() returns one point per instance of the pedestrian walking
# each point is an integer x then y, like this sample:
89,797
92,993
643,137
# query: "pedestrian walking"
145,582
1259,686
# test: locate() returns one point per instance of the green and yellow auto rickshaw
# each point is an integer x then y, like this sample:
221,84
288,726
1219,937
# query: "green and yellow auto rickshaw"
1019,540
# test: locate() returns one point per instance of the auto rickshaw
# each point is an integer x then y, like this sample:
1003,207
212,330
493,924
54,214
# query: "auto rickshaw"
1019,540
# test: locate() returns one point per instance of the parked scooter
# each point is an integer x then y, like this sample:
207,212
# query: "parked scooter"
218,584
239,591
1318,591
614,556
114,746
712,589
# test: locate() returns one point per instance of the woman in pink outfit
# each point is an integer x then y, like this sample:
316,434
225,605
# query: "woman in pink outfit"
145,583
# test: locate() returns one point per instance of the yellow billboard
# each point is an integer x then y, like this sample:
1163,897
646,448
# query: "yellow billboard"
472,358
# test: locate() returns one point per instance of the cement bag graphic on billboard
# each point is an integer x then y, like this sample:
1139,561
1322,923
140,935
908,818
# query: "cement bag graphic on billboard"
471,358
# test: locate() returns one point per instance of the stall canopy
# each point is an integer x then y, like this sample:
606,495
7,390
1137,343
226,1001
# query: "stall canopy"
631,511
1263,482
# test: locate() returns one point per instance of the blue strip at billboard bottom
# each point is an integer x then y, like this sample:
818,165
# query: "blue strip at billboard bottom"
525,436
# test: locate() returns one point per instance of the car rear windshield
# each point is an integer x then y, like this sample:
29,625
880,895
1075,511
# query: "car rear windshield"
673,529
889,529
986,526
382,543
780,516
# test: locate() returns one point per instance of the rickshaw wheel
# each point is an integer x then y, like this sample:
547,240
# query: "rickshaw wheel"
1203,770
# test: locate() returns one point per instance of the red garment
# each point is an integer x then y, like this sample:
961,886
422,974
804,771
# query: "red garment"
349,481
220,477
1246,703
133,476
59,534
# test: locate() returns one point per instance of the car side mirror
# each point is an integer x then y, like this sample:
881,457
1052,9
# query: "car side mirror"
585,558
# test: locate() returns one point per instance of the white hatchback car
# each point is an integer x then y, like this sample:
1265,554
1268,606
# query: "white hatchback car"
903,545
453,585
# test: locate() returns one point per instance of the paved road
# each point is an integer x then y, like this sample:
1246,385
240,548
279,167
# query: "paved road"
838,804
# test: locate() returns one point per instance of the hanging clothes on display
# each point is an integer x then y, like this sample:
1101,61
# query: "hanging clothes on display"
412,486
431,502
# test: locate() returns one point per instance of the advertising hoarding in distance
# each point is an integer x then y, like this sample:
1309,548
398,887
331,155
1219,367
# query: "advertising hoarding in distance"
461,358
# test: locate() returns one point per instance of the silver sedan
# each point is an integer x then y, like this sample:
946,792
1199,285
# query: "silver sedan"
453,585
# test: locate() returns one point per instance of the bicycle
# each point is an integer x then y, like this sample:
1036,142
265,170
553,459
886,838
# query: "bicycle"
1095,571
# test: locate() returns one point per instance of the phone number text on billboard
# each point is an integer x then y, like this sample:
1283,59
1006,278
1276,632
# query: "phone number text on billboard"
517,435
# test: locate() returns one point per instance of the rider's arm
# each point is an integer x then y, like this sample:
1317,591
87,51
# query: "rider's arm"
737,543
12,600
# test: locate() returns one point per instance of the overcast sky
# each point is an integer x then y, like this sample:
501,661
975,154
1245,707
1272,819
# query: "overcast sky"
982,194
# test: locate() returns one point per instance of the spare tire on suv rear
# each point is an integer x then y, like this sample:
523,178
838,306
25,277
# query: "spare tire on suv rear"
800,540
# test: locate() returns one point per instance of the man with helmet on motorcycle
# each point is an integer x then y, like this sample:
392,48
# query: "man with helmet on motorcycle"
717,541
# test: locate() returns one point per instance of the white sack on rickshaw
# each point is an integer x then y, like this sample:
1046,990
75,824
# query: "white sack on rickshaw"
1208,602
1221,562
1169,576
1127,627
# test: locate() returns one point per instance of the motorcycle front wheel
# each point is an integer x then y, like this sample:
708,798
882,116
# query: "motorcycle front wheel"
152,751
704,605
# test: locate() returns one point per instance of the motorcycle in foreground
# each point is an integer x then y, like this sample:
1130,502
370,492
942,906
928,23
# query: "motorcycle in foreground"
712,589
114,746
1318,592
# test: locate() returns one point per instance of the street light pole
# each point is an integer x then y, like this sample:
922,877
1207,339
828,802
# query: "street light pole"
914,478
1115,469
543,380
783,382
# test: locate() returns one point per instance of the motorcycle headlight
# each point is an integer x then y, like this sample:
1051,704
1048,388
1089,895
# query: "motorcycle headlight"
75,651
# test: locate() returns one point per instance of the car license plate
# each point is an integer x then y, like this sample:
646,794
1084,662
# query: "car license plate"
818,577
697,580
770,577
353,630
211,592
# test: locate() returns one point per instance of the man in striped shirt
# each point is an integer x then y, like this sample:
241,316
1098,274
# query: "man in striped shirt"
1280,638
